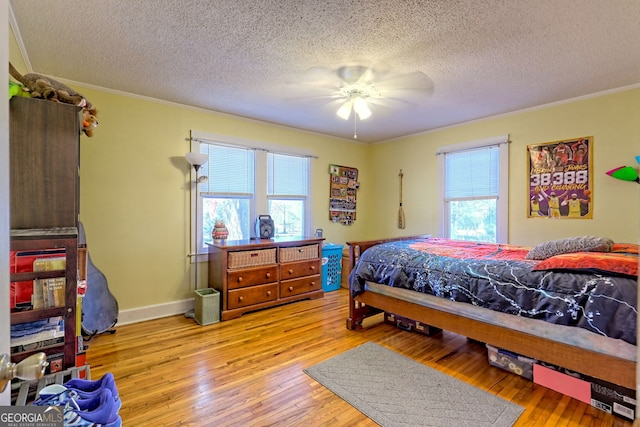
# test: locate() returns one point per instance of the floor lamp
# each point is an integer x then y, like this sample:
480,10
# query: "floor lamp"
196,160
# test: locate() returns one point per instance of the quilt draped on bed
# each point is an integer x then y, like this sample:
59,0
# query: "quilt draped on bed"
498,277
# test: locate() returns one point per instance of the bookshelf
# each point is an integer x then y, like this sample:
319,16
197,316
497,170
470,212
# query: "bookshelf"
65,238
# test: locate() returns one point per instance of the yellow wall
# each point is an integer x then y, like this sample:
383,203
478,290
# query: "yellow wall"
15,57
613,121
135,181
135,190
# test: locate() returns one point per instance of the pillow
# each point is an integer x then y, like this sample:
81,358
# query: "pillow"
629,248
569,245
612,263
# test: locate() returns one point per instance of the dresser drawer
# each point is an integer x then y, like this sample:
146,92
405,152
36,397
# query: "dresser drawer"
298,253
252,276
292,270
240,259
244,297
300,286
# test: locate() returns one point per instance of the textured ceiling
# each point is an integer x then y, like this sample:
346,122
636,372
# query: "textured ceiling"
260,58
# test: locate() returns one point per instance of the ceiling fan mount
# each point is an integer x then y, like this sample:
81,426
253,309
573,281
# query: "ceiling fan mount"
353,90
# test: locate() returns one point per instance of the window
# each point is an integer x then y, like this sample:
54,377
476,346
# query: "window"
287,191
229,192
474,190
247,179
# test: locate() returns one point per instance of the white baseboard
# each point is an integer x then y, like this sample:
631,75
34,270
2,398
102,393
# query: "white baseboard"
151,312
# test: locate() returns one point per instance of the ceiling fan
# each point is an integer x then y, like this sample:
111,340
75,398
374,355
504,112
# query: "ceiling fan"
358,87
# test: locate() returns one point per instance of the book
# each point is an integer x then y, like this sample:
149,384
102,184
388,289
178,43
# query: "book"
50,264
58,288
31,335
37,296
48,293
25,261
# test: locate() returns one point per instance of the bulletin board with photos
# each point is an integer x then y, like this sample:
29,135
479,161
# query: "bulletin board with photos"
343,187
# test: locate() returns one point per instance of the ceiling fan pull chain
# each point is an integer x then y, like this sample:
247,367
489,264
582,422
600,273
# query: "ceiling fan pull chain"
355,126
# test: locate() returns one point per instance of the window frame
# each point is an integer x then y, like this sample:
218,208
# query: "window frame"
502,203
259,201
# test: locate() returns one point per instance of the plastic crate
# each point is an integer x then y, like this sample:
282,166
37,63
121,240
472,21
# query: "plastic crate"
331,266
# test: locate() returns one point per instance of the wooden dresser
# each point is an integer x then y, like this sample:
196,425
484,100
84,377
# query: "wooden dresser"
256,274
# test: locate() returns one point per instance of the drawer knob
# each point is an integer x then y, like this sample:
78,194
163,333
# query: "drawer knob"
290,271
290,288
240,298
313,267
268,293
268,275
313,284
239,279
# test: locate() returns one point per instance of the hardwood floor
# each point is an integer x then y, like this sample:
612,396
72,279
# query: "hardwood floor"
248,371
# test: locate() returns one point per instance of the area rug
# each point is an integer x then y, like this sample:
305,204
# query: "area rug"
394,390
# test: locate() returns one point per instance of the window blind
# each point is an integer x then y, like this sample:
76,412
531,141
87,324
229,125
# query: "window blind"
287,175
230,170
472,173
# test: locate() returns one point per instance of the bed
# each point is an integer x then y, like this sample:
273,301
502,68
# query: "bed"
573,305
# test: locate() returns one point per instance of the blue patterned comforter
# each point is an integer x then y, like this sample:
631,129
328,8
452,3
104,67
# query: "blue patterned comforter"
498,277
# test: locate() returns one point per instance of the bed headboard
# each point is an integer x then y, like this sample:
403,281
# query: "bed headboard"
356,248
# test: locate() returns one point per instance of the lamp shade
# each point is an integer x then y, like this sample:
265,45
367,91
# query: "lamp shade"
625,173
196,159
345,110
361,107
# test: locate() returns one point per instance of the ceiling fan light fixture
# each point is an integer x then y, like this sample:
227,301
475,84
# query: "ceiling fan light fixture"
345,110
362,108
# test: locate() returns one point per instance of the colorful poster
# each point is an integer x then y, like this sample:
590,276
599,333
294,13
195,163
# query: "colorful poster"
560,179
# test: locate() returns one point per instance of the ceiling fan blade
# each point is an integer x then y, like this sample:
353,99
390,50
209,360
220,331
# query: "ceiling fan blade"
391,103
350,74
310,98
321,76
415,81
368,76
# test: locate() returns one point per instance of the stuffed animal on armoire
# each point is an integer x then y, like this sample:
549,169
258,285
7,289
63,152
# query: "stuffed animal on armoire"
44,87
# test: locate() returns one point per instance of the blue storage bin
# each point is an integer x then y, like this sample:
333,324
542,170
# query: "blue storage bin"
331,266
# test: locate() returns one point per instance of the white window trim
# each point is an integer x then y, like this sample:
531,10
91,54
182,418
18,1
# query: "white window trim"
502,209
260,206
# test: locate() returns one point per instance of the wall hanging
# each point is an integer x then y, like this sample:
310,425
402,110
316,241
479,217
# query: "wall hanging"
625,173
343,186
560,179
401,219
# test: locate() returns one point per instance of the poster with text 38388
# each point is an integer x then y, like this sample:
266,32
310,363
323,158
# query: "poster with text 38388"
560,179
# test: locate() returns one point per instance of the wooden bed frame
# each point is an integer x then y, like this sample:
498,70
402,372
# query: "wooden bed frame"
608,368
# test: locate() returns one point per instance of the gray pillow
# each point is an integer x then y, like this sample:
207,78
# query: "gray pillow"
572,244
